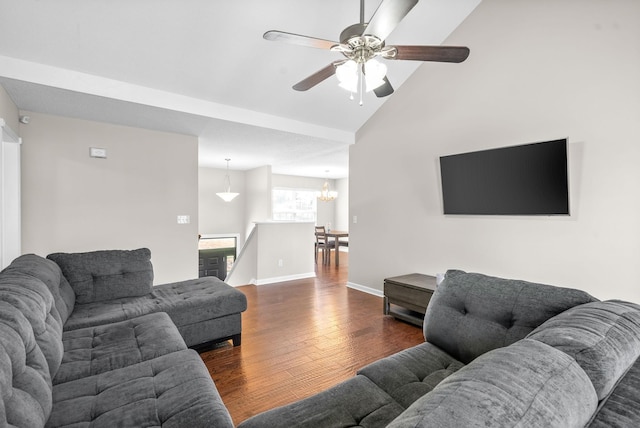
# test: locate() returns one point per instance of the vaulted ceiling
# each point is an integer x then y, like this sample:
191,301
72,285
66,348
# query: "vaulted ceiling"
201,67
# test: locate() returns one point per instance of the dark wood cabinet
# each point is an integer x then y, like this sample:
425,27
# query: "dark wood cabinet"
406,297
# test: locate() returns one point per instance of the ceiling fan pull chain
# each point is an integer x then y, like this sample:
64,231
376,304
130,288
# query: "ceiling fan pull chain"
360,82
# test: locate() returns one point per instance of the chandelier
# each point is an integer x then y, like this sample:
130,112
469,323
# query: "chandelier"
227,195
325,194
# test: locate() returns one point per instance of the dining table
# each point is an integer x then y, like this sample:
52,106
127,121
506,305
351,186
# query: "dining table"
337,234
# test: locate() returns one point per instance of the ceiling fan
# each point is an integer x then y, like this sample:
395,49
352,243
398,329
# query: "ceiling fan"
361,44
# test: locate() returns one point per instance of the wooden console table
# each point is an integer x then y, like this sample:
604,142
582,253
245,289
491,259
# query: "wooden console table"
406,297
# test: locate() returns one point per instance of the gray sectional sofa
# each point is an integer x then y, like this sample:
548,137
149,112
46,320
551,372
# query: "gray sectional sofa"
86,340
498,353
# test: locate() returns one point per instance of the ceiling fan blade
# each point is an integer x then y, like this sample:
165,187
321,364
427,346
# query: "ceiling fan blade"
318,76
431,53
297,39
387,17
384,90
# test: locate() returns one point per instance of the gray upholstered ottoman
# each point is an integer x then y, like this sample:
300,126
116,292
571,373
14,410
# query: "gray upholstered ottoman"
117,285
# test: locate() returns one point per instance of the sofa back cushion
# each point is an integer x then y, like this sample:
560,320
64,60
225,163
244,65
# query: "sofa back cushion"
603,337
105,275
49,273
527,384
25,383
470,313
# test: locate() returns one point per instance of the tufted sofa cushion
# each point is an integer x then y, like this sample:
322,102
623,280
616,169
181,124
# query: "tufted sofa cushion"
527,384
25,382
411,373
196,300
33,299
603,337
50,274
94,350
173,390
188,303
470,313
355,403
104,275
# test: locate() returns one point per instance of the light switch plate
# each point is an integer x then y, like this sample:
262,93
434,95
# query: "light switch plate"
184,219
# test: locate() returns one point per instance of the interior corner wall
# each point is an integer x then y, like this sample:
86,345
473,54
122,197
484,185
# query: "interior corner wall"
258,199
342,205
74,203
215,215
538,70
8,111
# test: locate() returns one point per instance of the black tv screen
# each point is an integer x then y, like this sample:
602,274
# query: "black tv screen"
530,179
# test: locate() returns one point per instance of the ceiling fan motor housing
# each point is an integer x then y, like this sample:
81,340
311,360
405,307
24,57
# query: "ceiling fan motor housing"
362,47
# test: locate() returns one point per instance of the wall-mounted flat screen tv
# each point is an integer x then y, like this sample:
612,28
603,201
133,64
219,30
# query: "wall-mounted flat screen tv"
530,179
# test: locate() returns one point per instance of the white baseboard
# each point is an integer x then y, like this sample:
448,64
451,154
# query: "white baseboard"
284,278
365,289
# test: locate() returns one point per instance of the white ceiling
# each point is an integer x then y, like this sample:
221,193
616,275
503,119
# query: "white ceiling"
201,67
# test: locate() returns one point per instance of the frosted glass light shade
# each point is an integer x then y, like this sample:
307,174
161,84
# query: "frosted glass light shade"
347,75
375,71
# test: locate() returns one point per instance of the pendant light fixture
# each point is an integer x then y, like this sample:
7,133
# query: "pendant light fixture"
325,194
227,195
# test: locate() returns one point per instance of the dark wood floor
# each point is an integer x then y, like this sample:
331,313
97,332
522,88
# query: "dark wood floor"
301,337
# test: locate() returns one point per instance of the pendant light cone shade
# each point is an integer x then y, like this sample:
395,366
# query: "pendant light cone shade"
227,195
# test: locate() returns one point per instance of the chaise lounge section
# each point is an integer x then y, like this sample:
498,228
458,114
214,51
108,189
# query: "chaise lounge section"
116,285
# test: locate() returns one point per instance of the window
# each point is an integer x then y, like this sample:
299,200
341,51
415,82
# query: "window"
294,204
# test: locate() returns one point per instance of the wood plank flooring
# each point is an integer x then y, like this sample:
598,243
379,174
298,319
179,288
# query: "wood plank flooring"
301,337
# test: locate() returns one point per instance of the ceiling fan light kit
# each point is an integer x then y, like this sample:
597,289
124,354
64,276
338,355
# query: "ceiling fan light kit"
362,44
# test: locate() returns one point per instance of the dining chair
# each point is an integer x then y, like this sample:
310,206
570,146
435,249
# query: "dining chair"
323,243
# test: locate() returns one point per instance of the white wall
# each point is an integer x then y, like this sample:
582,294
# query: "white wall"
73,203
275,252
258,199
285,251
538,70
10,236
10,204
215,215
342,205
